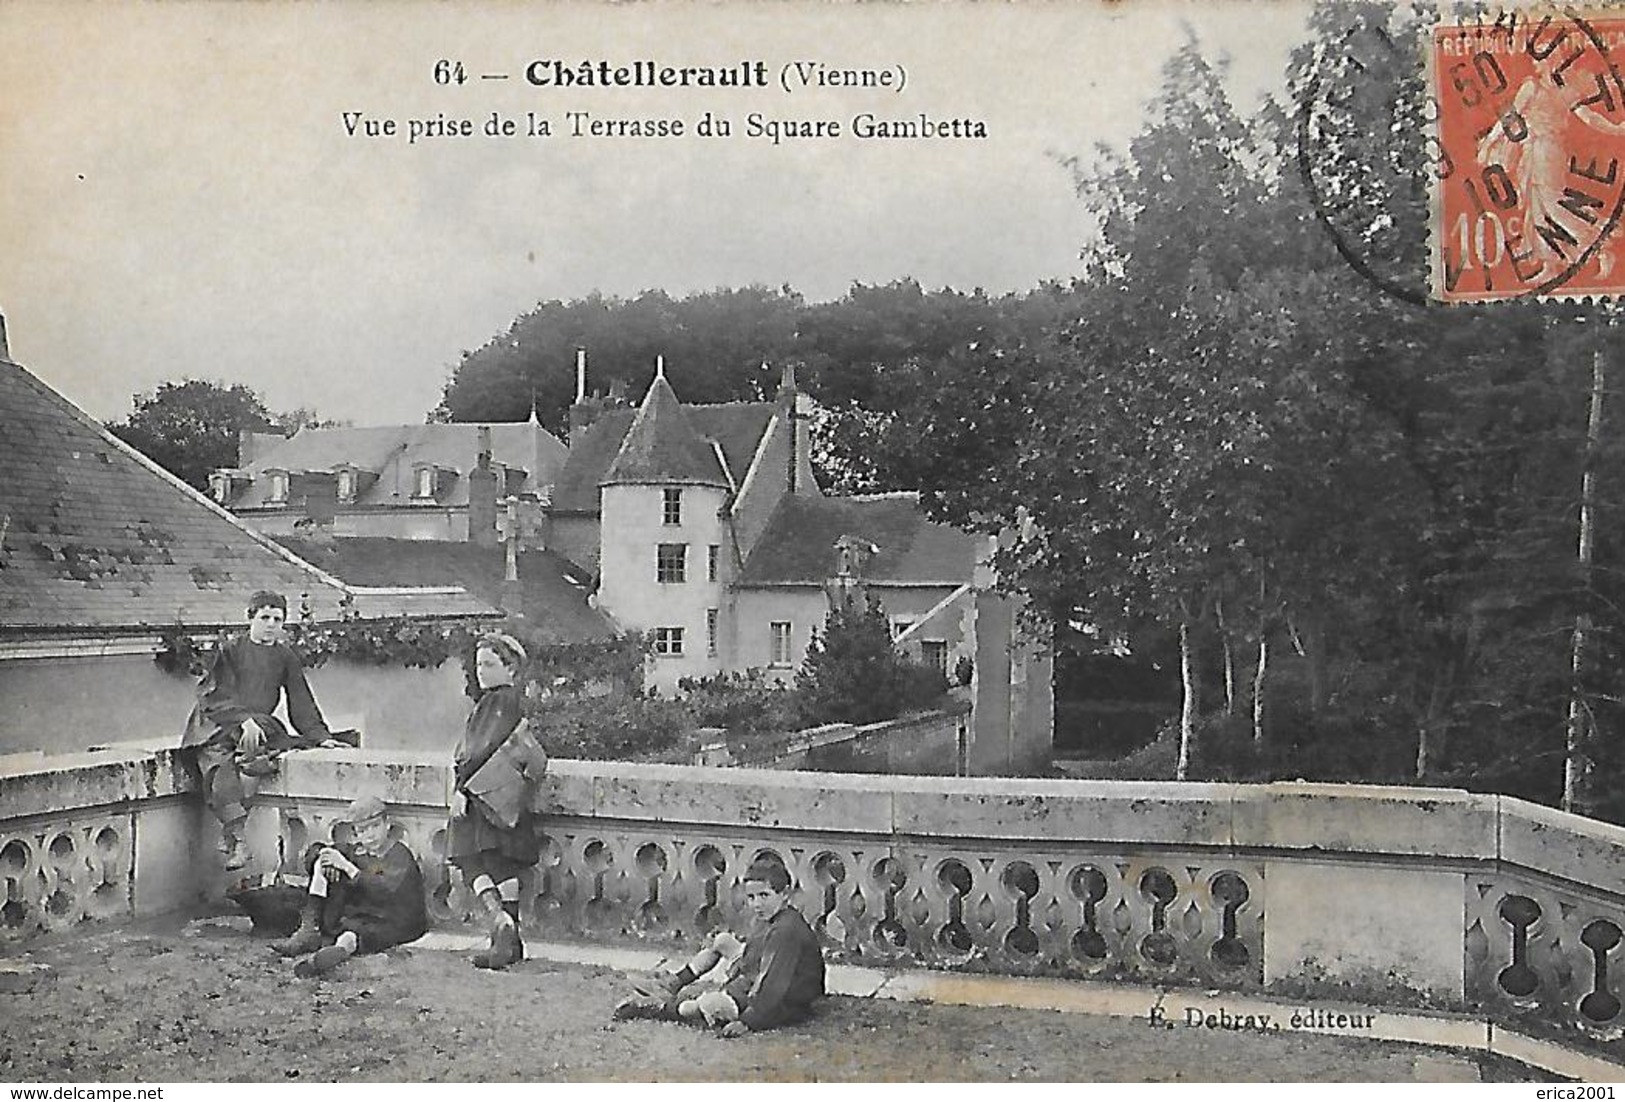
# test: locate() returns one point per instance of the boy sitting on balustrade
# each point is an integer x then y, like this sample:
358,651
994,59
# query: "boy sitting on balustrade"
232,730
772,979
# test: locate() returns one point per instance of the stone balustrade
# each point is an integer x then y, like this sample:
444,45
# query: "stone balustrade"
1411,897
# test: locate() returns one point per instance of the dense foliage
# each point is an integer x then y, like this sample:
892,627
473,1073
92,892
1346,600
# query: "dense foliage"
860,357
192,427
853,673
1356,512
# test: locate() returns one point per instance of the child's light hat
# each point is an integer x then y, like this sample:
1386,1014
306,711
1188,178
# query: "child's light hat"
364,808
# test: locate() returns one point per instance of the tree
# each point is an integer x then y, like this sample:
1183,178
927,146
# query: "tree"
714,345
1190,438
190,428
853,674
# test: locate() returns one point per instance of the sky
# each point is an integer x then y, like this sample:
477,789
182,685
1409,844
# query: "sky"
180,196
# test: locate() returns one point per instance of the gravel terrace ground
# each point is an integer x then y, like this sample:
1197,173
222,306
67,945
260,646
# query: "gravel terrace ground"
207,1002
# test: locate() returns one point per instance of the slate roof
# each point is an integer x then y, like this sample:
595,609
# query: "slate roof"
798,546
661,445
554,590
98,538
392,452
737,427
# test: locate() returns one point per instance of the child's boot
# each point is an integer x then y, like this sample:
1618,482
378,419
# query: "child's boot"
236,850
308,937
644,1006
322,962
506,945
657,984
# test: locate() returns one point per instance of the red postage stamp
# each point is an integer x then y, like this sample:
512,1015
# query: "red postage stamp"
1529,186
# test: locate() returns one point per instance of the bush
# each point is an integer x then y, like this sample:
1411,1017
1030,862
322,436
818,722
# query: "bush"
920,687
610,729
744,704
853,674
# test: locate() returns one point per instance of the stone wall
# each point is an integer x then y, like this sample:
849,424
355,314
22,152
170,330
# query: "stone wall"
67,705
931,744
1384,895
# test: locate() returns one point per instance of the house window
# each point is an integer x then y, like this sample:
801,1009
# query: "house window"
900,624
713,556
711,632
668,642
425,482
934,652
220,487
279,488
671,562
779,642
671,506
346,485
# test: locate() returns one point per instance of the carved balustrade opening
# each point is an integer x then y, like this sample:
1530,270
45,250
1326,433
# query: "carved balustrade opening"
1017,908
1537,951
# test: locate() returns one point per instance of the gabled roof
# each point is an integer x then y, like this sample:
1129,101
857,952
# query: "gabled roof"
798,546
662,446
554,592
393,452
737,427
99,538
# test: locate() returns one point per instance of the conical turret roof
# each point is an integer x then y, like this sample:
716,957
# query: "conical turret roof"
661,446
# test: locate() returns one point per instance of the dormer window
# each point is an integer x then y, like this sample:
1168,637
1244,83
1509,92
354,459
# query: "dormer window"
279,488
423,482
220,486
346,484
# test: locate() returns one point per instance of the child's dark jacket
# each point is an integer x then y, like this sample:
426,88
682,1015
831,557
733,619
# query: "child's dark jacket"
779,974
383,903
247,680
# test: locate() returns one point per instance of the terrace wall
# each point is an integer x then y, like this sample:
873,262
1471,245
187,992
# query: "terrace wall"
1385,895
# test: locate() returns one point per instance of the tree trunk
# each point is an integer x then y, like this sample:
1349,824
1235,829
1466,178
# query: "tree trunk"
1311,642
1229,659
1258,683
1577,756
1187,707
1426,751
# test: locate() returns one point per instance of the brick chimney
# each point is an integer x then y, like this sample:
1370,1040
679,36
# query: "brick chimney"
482,495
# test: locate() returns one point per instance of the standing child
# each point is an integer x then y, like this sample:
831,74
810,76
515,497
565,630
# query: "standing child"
773,978
493,835
232,729
365,896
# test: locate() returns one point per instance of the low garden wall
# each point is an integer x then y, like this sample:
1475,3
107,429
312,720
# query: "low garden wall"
929,744
1407,897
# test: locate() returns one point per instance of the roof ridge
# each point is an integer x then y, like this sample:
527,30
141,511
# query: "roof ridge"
879,495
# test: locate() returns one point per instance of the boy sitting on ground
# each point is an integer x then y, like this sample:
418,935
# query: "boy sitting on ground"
773,977
365,896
